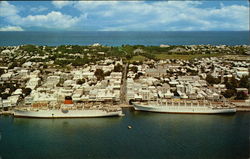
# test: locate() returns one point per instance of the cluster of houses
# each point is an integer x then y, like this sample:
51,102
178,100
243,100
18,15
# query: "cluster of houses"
208,48
171,78
183,79
79,83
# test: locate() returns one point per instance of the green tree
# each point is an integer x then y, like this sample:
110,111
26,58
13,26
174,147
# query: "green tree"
234,83
107,73
228,93
80,81
99,74
211,80
29,48
244,83
241,96
26,91
5,95
1,72
13,64
45,66
134,69
137,76
118,68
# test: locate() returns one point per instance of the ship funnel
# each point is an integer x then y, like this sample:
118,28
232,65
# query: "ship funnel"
68,100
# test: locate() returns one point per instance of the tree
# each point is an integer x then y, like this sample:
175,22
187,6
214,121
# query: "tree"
13,64
244,83
118,68
45,66
176,93
79,62
1,72
134,69
229,86
5,96
241,95
26,91
211,80
225,80
80,81
99,74
234,82
107,73
137,62
228,93
29,48
137,76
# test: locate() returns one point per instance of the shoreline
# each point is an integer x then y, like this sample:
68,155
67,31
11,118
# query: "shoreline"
238,109
242,109
125,106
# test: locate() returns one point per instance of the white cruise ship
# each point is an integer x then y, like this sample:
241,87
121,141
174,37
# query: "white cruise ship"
185,106
67,110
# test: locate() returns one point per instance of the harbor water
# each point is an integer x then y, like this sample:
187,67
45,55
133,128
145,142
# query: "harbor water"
151,135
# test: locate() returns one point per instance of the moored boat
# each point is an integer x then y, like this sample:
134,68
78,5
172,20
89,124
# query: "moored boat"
67,110
65,113
200,107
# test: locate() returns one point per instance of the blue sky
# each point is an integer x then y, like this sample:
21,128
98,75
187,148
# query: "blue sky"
124,15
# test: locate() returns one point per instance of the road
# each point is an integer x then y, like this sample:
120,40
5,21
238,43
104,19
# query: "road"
123,90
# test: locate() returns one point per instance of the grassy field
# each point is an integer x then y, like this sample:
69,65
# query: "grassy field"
237,57
137,58
174,56
184,57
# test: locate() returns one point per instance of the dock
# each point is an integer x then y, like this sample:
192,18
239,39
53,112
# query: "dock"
243,109
6,112
125,106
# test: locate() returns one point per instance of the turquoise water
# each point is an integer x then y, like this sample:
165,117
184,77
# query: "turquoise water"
153,136
121,38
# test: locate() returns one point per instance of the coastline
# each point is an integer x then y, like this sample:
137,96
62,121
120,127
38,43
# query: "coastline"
243,109
238,109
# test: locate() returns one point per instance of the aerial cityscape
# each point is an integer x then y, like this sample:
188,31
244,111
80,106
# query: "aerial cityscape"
93,78
102,77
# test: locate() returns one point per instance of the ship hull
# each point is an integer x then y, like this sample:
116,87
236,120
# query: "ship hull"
178,109
65,113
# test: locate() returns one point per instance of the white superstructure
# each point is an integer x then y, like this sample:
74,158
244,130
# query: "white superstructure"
65,113
183,106
67,110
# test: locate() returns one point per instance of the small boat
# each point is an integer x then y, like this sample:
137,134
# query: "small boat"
129,127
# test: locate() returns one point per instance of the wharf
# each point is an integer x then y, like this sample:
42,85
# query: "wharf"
125,106
243,108
241,105
6,112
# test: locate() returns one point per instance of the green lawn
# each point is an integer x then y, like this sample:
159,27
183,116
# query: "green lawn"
137,58
184,57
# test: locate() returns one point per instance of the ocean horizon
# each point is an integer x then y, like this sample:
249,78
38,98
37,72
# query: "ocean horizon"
118,38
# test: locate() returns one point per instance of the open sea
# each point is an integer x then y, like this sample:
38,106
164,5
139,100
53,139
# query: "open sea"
153,136
117,38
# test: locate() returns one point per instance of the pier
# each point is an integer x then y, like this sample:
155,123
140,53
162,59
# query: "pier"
10,112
